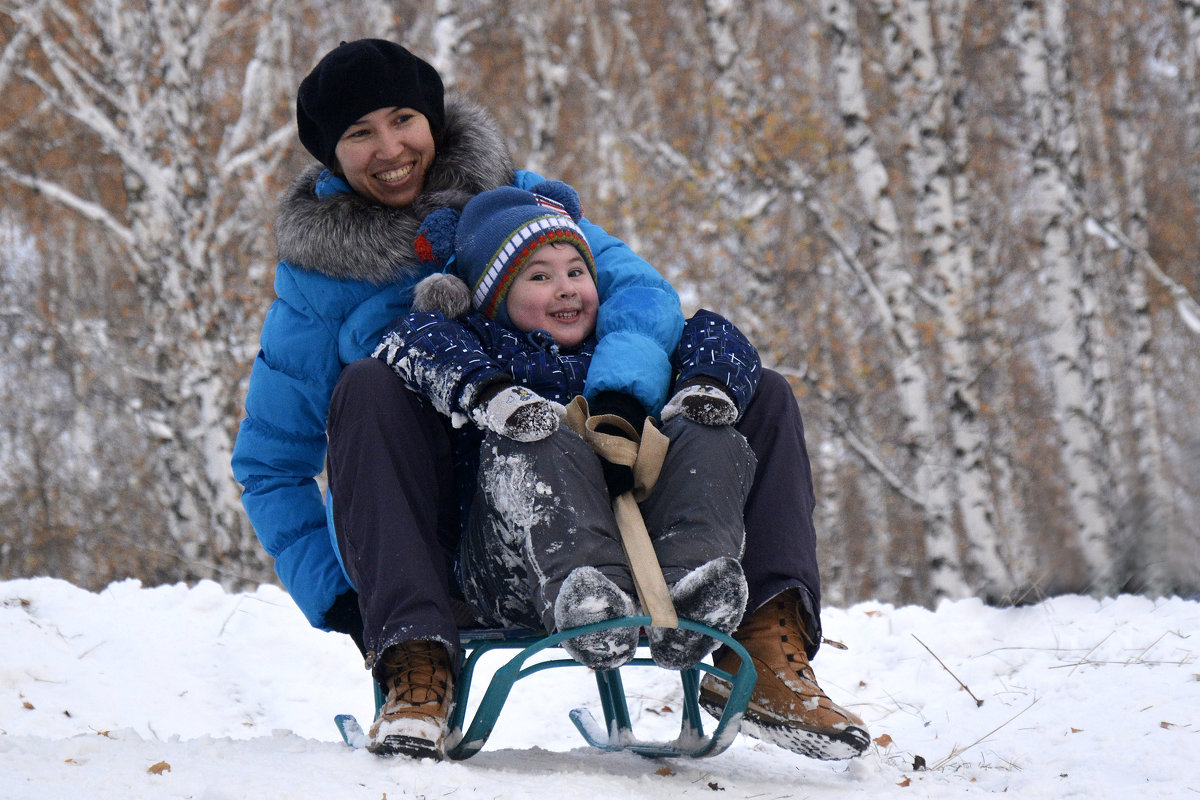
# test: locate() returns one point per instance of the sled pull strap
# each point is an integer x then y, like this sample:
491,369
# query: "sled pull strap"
644,454
643,563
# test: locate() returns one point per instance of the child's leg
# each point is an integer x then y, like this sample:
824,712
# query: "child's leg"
542,548
694,515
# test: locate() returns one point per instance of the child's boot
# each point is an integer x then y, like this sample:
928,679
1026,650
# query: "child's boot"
587,596
713,594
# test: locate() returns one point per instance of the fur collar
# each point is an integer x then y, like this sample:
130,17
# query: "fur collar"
347,238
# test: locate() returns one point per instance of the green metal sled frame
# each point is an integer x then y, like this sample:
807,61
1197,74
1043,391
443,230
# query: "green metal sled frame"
616,733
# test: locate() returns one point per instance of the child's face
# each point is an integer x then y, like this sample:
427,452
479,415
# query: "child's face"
555,292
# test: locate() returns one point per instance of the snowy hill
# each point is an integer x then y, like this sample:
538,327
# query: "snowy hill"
177,692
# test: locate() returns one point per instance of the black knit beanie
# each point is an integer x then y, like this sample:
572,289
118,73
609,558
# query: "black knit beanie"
356,78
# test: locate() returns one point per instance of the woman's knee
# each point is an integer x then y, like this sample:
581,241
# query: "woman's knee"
367,375
774,391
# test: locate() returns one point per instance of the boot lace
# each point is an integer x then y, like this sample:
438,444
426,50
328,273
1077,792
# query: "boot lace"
794,639
418,673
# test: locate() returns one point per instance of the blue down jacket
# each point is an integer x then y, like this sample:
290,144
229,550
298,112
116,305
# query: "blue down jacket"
346,272
450,361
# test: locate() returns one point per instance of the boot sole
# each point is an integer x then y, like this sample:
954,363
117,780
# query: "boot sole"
821,745
410,746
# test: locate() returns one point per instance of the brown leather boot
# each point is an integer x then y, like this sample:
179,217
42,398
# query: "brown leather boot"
413,718
787,707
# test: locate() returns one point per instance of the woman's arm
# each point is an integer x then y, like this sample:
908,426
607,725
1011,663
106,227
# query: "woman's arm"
280,449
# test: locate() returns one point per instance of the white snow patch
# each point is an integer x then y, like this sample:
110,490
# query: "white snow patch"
1081,698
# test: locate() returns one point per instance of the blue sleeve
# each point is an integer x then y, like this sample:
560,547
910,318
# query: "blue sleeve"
713,347
441,359
639,322
280,449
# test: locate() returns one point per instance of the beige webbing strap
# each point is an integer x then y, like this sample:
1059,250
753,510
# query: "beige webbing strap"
644,454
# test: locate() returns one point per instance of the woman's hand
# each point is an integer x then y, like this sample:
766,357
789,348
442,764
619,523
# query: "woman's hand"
617,477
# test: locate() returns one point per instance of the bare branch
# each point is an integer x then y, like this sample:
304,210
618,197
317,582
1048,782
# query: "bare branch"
56,193
1188,307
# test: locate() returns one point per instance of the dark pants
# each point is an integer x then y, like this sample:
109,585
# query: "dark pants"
397,519
781,543
391,477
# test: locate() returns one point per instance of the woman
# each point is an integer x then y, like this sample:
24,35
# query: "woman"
376,561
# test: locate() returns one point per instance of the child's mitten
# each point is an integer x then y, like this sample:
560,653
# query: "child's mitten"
517,413
704,403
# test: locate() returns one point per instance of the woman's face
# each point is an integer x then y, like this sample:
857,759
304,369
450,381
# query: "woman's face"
385,155
555,292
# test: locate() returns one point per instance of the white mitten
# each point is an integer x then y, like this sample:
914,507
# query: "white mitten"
702,403
519,414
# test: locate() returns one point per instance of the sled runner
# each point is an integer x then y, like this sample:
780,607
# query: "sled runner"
616,731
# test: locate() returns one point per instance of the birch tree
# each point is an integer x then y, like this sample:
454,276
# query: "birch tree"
1053,156
192,175
912,381
1189,12
957,296
1147,495
925,87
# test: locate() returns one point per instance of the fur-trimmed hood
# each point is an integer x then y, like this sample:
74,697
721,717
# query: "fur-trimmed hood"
346,237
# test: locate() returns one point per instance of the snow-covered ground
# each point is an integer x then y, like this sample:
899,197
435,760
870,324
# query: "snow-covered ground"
196,693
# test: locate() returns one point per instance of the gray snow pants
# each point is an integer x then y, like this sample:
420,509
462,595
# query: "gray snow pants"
542,509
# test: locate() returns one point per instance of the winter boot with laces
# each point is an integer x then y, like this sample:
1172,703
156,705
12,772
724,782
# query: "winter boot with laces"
787,707
587,596
413,719
714,593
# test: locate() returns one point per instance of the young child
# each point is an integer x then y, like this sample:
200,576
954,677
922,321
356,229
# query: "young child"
510,340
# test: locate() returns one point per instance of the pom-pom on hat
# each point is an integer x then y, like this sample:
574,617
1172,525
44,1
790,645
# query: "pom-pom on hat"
487,244
356,78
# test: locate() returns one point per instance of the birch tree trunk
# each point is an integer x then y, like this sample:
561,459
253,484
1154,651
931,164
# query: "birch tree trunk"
926,90
1053,155
1189,11
1147,497
911,379
838,564
194,187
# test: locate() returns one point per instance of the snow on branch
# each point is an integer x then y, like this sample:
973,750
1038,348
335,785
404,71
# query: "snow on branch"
85,208
12,52
847,257
843,428
277,140
1188,307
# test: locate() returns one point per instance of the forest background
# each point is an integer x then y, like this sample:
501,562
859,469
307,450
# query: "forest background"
966,231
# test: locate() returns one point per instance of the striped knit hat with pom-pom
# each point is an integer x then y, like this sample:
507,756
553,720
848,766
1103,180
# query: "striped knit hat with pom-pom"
488,243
